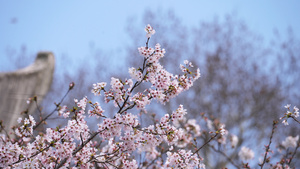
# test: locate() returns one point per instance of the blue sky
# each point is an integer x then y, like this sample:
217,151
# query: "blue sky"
69,27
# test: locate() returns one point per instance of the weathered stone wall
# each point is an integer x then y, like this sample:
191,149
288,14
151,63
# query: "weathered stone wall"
16,87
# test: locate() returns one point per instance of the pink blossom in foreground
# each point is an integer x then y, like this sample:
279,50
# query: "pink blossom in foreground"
97,88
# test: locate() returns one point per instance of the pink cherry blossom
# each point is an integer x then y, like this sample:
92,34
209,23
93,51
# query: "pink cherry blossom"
150,31
120,134
246,154
290,141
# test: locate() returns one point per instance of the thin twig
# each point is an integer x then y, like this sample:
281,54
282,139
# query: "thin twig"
296,119
206,143
275,122
229,159
56,108
37,106
294,153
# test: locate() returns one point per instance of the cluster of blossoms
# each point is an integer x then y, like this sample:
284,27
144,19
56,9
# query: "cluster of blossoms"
170,142
289,114
98,87
150,31
182,159
76,145
46,150
25,131
288,149
286,145
290,141
246,154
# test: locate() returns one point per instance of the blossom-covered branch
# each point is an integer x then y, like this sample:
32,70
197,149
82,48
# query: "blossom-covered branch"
170,141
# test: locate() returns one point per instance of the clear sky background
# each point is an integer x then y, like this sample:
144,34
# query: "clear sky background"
69,27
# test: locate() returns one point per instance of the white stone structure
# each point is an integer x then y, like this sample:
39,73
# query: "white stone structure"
16,87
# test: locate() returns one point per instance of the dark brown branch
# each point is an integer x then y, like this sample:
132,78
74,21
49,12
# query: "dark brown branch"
222,153
275,122
294,153
56,108
296,119
206,143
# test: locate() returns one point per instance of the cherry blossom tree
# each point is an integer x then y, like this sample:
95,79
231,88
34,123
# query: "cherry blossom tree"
121,141
244,83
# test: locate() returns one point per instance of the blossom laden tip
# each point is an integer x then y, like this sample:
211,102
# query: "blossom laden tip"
150,31
98,87
294,113
222,130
